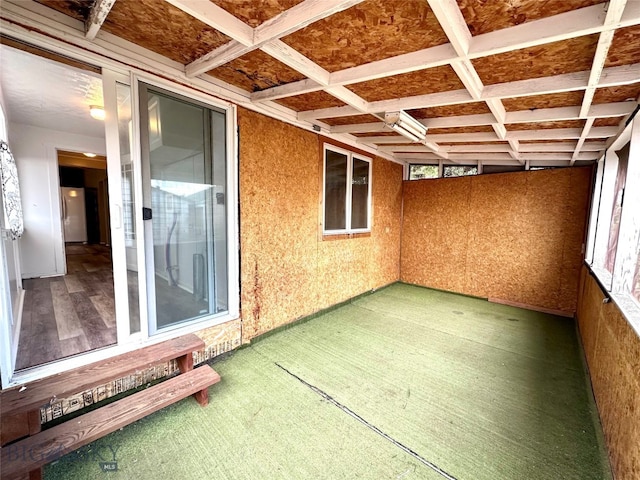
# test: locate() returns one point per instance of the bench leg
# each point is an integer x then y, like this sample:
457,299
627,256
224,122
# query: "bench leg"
33,417
35,474
185,362
202,397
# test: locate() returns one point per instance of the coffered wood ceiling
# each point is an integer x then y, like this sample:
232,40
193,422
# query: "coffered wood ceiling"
502,82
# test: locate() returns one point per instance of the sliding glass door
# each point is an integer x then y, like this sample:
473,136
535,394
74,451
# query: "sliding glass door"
184,199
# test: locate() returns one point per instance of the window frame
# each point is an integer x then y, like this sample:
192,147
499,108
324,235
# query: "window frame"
349,192
618,284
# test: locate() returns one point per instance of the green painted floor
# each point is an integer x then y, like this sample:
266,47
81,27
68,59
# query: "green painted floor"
404,383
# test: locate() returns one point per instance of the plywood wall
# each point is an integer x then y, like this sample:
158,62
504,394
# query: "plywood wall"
514,237
288,270
612,349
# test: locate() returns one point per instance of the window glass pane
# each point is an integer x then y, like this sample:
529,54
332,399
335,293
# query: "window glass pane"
614,229
335,189
360,194
458,170
128,202
417,172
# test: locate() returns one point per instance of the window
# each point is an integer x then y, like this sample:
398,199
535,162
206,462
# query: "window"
418,172
614,230
459,170
347,191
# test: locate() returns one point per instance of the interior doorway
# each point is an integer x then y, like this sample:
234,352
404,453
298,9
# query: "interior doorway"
74,313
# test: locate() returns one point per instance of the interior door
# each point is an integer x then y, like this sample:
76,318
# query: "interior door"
183,163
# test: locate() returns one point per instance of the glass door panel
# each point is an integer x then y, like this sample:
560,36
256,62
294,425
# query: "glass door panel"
183,146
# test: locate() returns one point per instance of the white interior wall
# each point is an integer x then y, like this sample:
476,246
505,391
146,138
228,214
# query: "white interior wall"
35,151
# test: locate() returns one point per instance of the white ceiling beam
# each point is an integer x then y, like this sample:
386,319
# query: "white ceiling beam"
287,22
459,121
218,18
295,88
293,59
469,77
453,23
298,17
614,14
350,98
422,101
405,63
221,55
332,112
436,138
98,14
559,27
548,147
585,131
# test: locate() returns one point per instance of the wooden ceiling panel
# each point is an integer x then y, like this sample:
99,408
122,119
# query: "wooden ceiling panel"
451,110
484,16
370,31
534,102
310,101
162,28
625,47
354,119
567,56
255,13
256,71
476,129
545,125
422,82
78,9
607,122
622,93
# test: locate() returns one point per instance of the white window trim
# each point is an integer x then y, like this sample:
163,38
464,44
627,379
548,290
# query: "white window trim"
617,282
350,156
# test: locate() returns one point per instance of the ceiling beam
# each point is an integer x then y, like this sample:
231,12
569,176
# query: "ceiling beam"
217,18
98,14
285,23
559,27
614,14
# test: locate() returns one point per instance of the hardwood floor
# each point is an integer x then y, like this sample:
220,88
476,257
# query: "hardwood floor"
66,315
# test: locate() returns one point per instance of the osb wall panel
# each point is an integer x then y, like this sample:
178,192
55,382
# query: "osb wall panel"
436,218
612,349
287,269
516,237
218,340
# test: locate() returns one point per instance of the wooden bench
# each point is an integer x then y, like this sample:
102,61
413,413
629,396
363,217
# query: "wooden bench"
20,407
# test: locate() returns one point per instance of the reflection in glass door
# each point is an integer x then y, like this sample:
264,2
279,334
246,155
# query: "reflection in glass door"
183,157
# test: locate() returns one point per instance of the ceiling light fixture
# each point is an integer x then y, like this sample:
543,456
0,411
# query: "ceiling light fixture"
405,125
97,112
90,155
